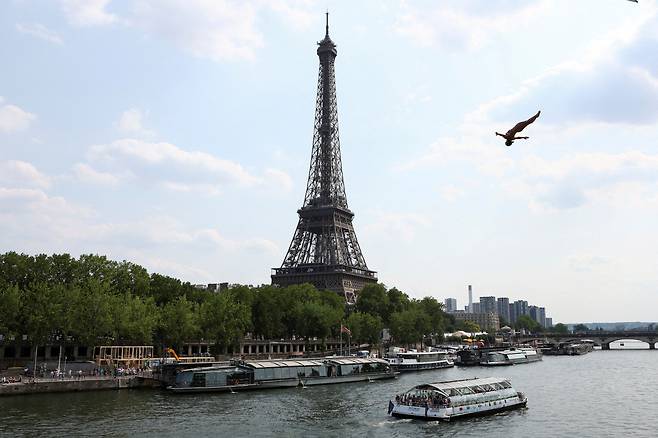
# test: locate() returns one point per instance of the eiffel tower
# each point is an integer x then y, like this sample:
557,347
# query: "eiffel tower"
324,250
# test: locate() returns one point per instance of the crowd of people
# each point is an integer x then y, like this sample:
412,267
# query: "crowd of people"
11,379
425,399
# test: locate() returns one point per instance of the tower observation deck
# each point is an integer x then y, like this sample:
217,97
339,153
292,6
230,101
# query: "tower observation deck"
324,250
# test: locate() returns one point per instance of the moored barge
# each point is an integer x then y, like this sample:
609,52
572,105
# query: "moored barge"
512,356
263,374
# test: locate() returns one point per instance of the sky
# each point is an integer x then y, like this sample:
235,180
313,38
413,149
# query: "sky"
176,134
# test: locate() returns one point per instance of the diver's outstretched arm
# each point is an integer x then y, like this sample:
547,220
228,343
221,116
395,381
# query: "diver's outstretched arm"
521,138
498,133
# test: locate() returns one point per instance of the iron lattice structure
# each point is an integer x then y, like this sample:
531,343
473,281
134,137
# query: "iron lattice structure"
324,250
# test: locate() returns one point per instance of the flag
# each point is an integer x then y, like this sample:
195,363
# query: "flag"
344,329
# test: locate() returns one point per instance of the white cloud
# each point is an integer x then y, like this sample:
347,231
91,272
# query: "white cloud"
13,118
88,12
401,225
87,174
15,173
588,262
300,14
216,29
40,31
575,180
221,30
169,166
614,82
35,222
451,192
131,122
278,179
466,25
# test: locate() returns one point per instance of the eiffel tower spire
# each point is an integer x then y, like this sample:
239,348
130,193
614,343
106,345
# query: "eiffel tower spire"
324,250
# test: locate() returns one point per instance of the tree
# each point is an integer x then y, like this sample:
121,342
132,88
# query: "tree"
409,325
373,299
365,328
469,327
223,320
10,304
178,321
434,310
527,323
560,328
579,328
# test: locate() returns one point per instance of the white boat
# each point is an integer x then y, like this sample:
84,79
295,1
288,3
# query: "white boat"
511,357
457,399
413,360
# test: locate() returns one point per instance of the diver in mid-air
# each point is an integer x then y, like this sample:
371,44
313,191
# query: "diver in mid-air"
510,136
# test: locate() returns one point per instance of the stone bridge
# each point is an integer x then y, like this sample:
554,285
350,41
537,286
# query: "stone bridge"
601,338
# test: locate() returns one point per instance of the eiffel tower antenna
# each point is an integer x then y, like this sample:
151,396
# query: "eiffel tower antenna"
324,250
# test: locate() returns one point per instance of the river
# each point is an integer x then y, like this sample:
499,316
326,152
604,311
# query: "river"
602,394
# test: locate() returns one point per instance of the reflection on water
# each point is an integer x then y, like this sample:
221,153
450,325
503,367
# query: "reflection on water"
605,393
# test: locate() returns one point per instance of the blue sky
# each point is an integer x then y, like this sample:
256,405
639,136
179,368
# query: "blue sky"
177,134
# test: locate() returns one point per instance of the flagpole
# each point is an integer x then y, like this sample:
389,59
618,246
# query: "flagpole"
341,339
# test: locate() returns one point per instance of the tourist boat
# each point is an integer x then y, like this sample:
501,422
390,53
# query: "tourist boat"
262,374
511,357
457,399
413,360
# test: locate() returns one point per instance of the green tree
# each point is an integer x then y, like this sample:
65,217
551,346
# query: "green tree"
178,321
10,305
527,323
469,327
580,328
434,310
223,320
365,328
409,325
560,328
373,299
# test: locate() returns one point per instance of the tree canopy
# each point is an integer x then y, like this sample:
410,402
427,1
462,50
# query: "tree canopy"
92,300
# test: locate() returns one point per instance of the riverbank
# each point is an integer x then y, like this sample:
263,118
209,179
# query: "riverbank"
41,386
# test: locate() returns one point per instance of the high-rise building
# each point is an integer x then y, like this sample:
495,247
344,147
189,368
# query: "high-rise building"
502,305
533,312
451,304
542,316
549,322
476,308
488,305
518,308
324,250
470,299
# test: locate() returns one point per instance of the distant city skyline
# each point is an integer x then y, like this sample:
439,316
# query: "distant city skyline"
507,309
177,135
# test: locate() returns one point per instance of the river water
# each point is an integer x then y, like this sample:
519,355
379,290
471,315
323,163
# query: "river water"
602,394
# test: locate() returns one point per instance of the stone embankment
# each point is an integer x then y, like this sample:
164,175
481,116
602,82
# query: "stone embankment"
40,386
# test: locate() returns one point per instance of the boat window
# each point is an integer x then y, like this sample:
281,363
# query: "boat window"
199,380
506,384
497,386
487,388
466,390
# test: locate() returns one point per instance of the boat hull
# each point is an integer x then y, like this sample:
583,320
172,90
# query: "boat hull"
287,383
407,367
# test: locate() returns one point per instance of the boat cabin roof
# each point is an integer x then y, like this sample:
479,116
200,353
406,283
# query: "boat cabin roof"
442,386
311,362
282,363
